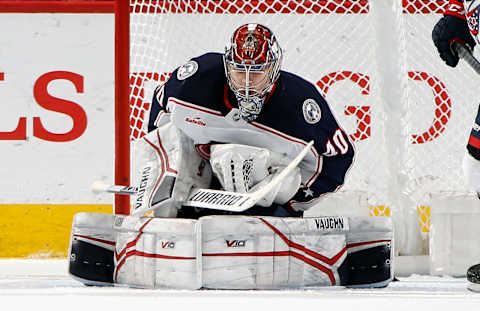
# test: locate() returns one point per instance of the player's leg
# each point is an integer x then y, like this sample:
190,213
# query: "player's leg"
471,171
273,252
471,161
231,252
158,253
141,252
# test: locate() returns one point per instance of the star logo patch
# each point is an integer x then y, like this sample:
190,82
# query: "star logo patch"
308,193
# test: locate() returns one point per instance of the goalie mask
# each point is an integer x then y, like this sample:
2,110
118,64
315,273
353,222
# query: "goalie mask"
252,65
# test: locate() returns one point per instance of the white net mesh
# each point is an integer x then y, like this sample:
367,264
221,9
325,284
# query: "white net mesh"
408,114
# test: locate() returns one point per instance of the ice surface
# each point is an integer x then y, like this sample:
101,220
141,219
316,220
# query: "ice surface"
45,285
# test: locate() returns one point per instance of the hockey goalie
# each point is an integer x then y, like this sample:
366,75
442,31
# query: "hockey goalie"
236,151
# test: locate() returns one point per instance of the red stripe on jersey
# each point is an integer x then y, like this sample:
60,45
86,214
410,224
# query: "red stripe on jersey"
195,107
473,141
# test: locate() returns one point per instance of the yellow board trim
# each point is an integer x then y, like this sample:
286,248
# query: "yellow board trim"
43,230
423,212
39,230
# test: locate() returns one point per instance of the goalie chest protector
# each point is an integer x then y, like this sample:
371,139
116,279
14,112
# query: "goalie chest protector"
294,113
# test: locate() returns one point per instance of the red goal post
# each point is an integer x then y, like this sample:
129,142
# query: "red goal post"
122,108
408,114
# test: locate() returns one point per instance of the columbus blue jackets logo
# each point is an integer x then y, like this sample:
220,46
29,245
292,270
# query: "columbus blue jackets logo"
473,17
311,111
187,70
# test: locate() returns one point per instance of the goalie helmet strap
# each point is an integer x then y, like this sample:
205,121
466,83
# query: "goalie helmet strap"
226,99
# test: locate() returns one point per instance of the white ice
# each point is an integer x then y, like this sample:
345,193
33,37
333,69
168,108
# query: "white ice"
46,285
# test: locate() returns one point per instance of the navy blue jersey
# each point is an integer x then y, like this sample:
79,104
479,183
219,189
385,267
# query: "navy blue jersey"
204,108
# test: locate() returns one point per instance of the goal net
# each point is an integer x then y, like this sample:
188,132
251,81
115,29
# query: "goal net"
408,114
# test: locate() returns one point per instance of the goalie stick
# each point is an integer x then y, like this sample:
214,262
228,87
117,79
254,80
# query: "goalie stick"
465,54
216,199
100,186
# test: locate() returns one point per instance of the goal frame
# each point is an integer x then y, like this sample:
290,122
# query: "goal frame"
122,108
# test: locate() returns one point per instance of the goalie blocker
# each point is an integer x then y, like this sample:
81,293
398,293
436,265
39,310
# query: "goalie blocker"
231,252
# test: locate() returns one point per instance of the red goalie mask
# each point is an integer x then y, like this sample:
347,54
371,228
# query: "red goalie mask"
252,65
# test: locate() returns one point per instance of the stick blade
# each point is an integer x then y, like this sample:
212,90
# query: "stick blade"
99,187
221,200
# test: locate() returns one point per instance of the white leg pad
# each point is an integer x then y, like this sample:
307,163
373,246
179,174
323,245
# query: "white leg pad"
156,253
234,252
268,252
